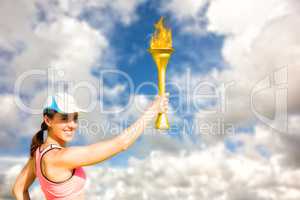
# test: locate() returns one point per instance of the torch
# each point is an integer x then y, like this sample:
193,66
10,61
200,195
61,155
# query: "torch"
161,50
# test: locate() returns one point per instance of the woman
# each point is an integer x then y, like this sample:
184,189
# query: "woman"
58,167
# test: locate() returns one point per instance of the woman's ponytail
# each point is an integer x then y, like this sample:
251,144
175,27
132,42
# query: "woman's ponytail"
38,139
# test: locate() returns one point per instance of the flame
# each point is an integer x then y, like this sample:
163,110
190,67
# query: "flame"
162,38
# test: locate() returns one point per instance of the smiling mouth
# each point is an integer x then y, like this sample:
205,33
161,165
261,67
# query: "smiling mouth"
68,133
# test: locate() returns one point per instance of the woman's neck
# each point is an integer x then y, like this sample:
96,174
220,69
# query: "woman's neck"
51,140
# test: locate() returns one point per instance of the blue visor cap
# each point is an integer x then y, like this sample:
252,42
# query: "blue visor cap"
62,103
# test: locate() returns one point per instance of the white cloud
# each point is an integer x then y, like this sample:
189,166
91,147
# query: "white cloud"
125,10
9,119
188,14
210,174
184,10
260,40
247,16
48,34
112,11
10,166
66,44
15,19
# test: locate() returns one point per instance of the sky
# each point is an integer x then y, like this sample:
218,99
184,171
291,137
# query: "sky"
233,81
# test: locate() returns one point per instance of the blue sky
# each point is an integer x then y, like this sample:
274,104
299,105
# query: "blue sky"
227,47
129,43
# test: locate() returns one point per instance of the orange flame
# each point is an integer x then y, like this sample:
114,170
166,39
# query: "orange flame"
162,38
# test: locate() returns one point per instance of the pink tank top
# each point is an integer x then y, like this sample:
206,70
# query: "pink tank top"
69,189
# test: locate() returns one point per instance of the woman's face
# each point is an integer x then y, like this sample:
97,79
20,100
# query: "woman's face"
63,126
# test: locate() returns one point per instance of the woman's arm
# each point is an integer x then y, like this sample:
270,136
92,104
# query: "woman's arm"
73,157
23,181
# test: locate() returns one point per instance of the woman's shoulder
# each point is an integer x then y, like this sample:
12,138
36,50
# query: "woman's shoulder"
48,153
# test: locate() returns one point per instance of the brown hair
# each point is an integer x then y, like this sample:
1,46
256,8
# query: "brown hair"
38,138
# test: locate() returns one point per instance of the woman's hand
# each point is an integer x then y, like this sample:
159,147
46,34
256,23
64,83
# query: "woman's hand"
162,103
129,136
24,180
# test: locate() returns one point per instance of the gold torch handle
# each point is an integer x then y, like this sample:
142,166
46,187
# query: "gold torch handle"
161,58
162,81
